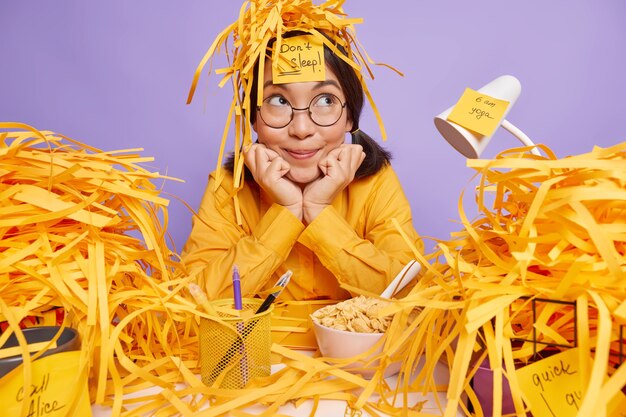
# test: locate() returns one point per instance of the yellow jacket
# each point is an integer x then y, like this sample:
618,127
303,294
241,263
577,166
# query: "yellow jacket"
353,241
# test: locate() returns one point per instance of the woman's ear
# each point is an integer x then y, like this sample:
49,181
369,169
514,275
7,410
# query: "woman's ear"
349,125
349,122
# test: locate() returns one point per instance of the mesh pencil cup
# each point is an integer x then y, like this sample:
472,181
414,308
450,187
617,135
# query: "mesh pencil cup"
234,350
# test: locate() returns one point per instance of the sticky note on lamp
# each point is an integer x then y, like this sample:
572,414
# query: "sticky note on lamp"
301,59
478,112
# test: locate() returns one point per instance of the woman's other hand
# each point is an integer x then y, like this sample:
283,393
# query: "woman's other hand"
338,169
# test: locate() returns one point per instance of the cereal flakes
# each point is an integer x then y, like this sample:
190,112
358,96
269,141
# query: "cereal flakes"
359,314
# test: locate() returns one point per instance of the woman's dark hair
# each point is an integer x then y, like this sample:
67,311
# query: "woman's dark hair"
375,155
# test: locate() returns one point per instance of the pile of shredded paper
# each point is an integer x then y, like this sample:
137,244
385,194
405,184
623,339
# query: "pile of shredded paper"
85,230
550,230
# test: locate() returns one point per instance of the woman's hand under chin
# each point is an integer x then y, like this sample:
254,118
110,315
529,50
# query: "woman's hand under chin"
338,170
269,171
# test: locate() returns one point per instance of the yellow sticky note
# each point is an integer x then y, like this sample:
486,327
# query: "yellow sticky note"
296,313
553,386
478,112
301,59
55,383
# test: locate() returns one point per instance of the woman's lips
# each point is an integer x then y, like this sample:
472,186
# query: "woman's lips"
302,154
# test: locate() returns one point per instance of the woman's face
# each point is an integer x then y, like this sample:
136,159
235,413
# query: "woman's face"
302,143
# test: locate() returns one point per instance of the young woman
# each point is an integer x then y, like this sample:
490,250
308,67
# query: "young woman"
310,202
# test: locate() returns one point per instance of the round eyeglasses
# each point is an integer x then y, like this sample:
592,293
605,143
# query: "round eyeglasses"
324,110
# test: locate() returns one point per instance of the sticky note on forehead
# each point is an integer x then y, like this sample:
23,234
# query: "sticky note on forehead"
300,59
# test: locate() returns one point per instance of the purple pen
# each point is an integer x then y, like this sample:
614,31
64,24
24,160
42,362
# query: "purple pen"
243,362
237,288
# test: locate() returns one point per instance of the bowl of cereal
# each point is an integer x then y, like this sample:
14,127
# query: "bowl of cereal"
350,329
354,328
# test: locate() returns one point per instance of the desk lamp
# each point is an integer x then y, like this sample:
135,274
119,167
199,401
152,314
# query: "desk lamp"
471,143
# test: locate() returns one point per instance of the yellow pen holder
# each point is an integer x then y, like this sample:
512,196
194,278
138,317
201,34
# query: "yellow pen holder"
234,350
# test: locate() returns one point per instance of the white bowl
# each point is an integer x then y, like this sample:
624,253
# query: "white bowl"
341,344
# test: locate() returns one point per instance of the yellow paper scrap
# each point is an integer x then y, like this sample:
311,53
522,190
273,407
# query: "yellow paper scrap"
31,347
620,312
50,201
299,59
48,394
478,112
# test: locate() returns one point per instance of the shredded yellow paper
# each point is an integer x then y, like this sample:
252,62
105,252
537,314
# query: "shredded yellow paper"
85,230
87,233
543,264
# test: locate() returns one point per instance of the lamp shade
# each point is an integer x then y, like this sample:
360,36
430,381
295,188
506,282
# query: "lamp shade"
469,143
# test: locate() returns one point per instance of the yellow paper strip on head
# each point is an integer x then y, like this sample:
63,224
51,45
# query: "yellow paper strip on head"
259,22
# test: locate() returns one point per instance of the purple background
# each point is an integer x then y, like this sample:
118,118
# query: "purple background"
116,74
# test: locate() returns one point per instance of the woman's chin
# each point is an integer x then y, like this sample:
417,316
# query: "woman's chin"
304,176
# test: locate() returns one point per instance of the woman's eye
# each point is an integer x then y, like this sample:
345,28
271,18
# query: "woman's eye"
325,100
277,101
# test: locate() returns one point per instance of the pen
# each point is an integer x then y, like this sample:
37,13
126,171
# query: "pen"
282,283
243,362
201,298
237,288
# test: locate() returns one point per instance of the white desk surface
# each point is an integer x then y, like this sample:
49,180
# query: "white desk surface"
334,407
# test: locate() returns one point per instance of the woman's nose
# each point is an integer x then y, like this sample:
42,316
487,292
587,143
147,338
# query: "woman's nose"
301,125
